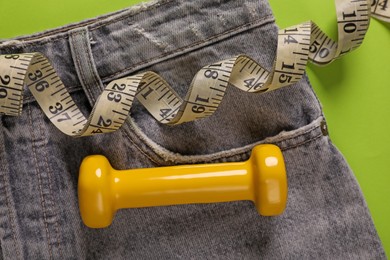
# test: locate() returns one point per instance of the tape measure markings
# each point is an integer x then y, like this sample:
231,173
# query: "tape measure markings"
296,46
381,13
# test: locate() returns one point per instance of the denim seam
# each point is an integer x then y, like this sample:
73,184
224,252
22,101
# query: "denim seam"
169,156
199,44
299,135
85,81
78,64
95,78
311,139
79,68
319,135
127,136
36,42
10,215
151,7
306,78
36,39
49,174
39,182
90,70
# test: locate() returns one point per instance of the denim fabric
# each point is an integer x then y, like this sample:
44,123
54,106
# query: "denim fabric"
326,215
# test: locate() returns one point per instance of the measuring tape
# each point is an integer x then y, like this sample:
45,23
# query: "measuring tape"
296,45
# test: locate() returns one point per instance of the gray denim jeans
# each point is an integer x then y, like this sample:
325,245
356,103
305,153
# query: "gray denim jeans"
326,215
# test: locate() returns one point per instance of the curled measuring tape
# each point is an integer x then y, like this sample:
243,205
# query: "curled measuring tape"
296,45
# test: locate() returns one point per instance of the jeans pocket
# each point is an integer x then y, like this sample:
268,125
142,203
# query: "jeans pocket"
241,119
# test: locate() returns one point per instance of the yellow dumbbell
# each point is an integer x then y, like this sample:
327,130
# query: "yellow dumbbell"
102,190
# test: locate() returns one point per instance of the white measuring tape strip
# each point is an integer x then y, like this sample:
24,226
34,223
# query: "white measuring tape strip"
296,45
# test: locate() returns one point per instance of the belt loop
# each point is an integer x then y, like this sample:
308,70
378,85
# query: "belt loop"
84,63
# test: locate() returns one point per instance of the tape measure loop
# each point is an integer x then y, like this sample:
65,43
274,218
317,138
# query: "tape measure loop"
296,46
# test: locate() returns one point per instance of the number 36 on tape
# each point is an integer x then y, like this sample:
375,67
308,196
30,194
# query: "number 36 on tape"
296,45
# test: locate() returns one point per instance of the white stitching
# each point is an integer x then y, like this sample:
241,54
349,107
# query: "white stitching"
49,173
168,155
10,215
39,181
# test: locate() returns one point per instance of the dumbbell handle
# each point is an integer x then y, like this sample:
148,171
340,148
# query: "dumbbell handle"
103,190
187,184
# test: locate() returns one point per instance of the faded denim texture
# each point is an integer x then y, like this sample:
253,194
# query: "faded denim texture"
326,215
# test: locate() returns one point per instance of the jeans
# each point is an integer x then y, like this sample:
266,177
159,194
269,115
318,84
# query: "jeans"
326,216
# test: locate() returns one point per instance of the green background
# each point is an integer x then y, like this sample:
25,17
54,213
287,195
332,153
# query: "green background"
354,91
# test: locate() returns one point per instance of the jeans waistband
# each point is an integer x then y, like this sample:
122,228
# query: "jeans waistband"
129,40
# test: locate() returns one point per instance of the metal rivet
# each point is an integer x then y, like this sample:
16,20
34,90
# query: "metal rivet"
324,128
